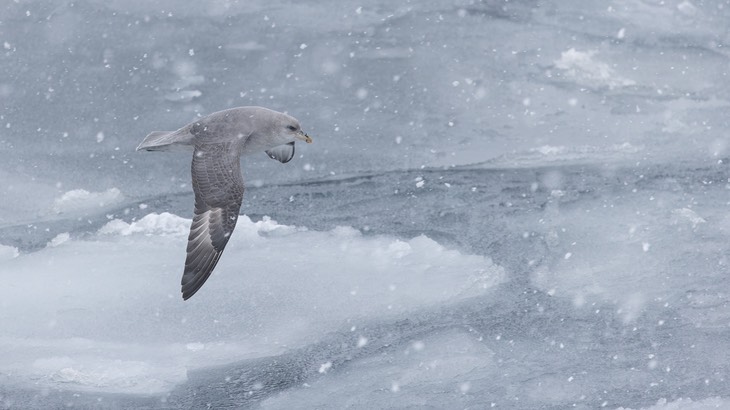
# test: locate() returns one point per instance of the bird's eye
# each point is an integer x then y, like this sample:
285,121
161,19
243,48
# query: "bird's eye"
291,128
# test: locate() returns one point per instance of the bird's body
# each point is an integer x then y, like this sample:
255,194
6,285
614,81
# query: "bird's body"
217,142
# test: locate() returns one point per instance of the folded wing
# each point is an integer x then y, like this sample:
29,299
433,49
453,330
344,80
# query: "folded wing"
282,153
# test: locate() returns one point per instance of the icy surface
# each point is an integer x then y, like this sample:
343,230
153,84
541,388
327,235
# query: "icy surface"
81,201
688,404
518,204
105,312
8,252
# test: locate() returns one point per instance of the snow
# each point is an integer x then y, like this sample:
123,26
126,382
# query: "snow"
583,68
108,315
8,252
687,404
59,239
151,224
80,200
507,204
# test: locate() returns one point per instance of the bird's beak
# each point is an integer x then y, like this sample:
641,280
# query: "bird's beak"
303,136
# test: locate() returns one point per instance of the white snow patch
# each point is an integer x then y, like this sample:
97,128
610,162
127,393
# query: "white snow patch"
79,200
195,347
59,239
324,367
687,8
8,252
268,227
687,404
550,150
586,70
684,215
109,373
151,224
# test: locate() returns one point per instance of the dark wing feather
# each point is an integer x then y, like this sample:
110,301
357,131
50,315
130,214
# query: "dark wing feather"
218,187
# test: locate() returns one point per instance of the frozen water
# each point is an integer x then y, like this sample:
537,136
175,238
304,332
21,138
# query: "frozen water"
518,204
688,404
8,252
88,314
79,200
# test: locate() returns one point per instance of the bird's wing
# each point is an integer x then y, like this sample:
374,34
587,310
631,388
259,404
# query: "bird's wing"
218,187
179,140
282,153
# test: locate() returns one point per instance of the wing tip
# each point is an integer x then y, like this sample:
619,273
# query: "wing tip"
193,285
190,288
187,295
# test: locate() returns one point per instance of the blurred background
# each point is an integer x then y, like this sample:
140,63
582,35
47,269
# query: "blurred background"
380,85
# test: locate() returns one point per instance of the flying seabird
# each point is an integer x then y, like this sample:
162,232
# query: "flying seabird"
218,141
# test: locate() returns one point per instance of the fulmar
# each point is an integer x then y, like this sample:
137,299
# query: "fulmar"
217,142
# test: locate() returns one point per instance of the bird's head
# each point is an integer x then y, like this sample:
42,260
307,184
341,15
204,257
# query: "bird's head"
269,129
290,129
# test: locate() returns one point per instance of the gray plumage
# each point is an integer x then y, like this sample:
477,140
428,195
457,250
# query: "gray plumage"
218,141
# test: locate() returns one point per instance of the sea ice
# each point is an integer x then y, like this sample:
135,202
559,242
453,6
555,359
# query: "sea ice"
104,312
80,200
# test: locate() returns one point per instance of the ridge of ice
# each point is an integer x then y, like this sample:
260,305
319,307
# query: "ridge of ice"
79,200
588,71
8,252
164,223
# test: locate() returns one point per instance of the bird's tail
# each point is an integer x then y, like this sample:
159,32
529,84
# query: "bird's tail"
166,141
